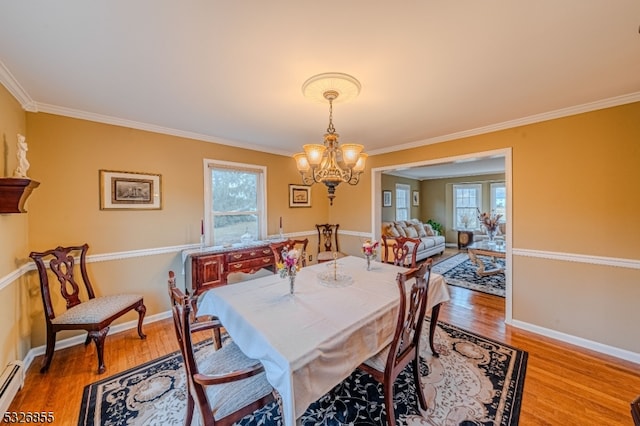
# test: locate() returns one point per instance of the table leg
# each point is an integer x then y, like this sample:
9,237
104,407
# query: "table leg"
435,311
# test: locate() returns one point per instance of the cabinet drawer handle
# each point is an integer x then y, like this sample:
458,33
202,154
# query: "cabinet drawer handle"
266,251
237,256
238,266
253,253
267,260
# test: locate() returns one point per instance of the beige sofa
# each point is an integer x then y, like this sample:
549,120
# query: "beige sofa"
430,242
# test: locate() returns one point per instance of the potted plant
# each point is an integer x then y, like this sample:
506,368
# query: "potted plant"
436,226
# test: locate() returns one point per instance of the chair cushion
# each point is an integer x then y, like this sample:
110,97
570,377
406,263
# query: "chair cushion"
379,360
97,309
226,398
327,255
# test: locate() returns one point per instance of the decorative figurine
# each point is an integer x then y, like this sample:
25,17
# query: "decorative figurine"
23,164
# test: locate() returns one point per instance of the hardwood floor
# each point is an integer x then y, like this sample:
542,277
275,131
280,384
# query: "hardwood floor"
564,385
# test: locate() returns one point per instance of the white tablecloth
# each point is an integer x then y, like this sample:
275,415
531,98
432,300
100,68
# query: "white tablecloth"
311,341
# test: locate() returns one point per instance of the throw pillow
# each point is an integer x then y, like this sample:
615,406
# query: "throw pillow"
411,232
401,229
420,230
429,230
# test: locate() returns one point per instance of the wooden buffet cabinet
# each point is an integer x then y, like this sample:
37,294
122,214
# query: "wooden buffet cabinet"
210,268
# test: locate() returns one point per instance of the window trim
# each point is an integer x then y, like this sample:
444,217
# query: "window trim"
262,194
477,187
492,190
407,188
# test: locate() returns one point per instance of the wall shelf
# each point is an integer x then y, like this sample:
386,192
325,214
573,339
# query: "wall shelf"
14,193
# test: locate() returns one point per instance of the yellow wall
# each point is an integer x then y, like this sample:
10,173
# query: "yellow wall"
575,231
14,324
574,192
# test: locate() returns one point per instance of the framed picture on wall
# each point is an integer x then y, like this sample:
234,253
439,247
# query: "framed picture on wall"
130,191
386,198
416,198
299,196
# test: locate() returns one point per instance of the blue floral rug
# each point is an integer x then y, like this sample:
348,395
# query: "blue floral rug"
475,381
458,270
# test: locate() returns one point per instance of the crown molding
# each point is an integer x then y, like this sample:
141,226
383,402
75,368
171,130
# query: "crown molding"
115,121
545,116
12,85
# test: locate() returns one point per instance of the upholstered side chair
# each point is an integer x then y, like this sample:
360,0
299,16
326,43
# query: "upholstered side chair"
328,242
404,349
93,315
225,384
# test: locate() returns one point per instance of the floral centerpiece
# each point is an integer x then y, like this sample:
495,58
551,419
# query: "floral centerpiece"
490,222
289,266
370,250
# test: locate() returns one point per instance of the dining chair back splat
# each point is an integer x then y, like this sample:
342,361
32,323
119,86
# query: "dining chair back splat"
404,251
93,315
300,245
225,383
328,242
405,346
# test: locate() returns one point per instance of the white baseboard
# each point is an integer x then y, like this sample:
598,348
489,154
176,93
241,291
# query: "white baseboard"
79,339
579,341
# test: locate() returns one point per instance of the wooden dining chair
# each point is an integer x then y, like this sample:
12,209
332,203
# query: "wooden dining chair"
635,411
404,349
328,242
225,383
404,251
301,245
93,315
217,334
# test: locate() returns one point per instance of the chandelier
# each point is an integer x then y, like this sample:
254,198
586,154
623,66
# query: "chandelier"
331,163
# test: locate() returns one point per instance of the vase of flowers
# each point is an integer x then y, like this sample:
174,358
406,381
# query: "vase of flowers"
289,266
490,222
369,249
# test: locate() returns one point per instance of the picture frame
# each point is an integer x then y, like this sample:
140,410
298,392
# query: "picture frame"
299,195
386,198
416,198
130,190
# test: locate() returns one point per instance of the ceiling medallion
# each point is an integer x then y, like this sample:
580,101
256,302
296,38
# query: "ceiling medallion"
331,163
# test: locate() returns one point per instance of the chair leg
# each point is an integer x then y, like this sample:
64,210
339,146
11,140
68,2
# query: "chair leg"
435,312
387,388
48,356
416,378
87,340
190,405
217,338
142,310
98,337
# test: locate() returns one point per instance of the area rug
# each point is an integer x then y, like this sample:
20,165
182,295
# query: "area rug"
458,270
475,381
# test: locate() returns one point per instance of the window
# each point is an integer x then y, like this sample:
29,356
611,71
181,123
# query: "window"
234,202
467,199
499,200
402,201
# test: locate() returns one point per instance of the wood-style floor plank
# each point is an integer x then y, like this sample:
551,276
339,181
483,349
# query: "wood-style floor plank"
564,385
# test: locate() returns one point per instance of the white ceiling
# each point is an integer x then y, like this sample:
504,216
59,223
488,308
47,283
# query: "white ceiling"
232,71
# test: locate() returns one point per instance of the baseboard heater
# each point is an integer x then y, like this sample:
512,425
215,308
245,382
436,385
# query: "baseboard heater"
11,382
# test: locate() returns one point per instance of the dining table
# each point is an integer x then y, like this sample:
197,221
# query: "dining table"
340,314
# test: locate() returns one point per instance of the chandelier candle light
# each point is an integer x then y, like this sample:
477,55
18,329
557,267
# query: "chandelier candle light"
331,163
